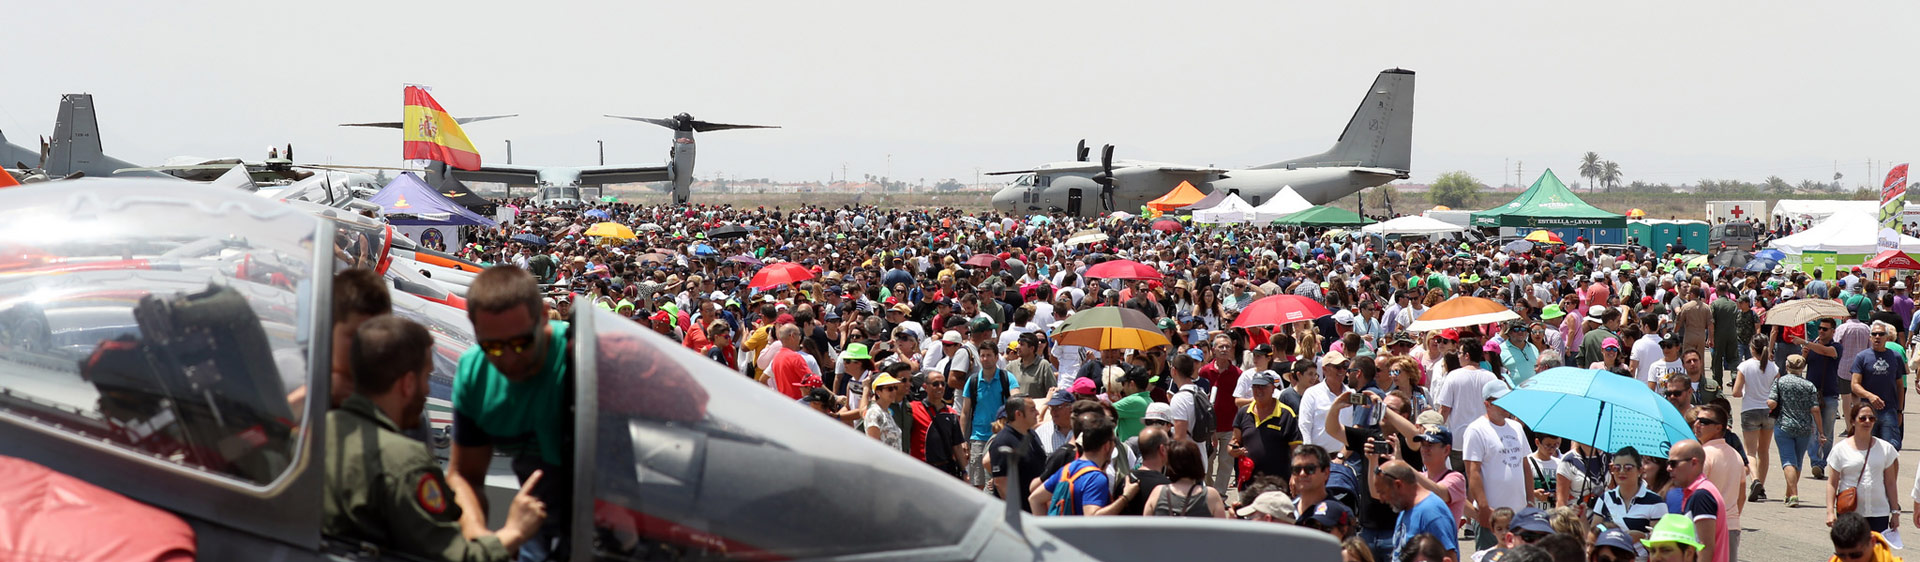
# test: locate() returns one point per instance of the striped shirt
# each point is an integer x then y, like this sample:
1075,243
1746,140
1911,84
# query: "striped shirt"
1647,507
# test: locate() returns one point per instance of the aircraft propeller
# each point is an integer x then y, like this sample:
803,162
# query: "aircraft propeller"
1105,177
1080,152
685,122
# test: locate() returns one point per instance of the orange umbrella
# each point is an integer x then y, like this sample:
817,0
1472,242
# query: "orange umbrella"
1462,311
1544,237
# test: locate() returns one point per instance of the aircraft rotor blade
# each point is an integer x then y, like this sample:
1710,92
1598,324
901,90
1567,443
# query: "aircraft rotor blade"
1105,178
345,167
377,124
1080,151
668,123
703,126
466,120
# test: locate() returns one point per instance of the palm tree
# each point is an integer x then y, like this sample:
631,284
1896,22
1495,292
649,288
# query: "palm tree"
1590,168
1609,175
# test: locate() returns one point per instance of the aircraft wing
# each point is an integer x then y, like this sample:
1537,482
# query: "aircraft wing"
603,175
495,173
1179,169
1068,167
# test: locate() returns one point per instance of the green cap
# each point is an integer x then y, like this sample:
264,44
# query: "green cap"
1673,527
1168,324
1628,266
1552,311
856,351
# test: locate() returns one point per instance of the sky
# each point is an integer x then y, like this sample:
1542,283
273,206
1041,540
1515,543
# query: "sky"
1672,91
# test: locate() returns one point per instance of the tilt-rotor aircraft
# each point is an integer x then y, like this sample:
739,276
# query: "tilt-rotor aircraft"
1374,149
563,183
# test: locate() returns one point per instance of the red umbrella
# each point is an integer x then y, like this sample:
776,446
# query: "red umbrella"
1122,269
1893,259
1167,225
982,260
783,273
1279,309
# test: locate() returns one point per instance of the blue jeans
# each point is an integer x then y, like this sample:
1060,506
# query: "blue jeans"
1792,449
1380,542
1829,408
1888,427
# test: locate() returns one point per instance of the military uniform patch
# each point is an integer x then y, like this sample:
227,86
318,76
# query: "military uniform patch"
432,497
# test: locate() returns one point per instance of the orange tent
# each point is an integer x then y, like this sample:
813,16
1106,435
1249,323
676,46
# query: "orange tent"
1181,196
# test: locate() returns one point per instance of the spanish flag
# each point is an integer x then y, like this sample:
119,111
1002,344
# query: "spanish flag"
431,134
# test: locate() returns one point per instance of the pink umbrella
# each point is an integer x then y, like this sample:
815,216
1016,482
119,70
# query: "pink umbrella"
1279,309
783,273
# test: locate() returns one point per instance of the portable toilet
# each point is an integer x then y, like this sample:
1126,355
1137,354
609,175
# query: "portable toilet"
1694,235
1641,232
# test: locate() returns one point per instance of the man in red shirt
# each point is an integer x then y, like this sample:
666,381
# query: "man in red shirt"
788,366
936,426
1225,377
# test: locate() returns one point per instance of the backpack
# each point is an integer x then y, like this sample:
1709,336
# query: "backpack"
1063,492
1202,428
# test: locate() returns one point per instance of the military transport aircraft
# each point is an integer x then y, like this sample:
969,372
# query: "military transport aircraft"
1373,150
153,332
560,185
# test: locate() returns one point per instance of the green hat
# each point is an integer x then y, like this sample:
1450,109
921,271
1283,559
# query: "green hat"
1168,324
1673,527
1464,246
1471,278
856,351
1628,266
1552,311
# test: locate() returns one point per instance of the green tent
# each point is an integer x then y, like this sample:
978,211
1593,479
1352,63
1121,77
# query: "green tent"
1548,204
1322,216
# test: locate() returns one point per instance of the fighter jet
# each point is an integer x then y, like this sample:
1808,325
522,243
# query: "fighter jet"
560,185
74,147
164,347
1373,150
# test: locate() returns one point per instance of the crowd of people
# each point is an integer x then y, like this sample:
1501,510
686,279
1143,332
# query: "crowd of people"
929,330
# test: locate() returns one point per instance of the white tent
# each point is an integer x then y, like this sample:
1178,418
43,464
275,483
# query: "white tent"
1284,203
1820,209
1412,224
1231,210
1845,232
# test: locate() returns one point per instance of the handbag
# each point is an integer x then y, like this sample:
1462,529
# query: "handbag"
1849,499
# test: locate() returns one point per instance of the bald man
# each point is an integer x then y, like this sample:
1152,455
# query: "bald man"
1701,501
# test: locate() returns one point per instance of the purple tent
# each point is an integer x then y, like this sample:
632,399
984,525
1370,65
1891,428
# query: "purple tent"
409,195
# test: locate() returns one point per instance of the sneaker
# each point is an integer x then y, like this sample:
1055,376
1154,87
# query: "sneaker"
1819,473
1793,501
1756,492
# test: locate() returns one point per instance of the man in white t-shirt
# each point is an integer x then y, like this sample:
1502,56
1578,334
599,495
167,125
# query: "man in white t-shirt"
1495,449
1646,351
1459,396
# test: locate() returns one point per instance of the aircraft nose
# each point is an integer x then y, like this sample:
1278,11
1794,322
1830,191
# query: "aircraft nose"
1005,199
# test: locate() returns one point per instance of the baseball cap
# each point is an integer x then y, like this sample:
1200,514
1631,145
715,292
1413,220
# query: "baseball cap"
1344,317
1333,358
1494,389
1450,334
1436,434
830,316
1263,349
1168,324
1064,397
1263,378
1160,411
980,325
1596,311
1531,519
783,319
1196,354
884,380
811,381
1615,538
1673,527
1275,504
1327,514
902,308
1610,343
1084,386
1430,417
952,336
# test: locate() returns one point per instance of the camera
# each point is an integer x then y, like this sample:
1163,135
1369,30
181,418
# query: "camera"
1357,398
1379,447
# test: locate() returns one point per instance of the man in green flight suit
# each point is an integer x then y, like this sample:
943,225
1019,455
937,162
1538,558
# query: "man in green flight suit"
384,488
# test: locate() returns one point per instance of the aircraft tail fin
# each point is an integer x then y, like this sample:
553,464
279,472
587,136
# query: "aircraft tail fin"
1380,133
75,146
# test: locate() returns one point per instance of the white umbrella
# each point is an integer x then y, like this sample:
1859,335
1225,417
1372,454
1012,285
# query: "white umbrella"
1088,236
650,227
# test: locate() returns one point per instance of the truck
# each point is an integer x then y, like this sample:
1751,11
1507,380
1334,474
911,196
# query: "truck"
1719,212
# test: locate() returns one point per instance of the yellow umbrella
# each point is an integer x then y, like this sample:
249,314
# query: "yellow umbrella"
1110,327
1544,237
1636,213
611,230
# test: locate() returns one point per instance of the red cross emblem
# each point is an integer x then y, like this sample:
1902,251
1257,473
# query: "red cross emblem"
1737,212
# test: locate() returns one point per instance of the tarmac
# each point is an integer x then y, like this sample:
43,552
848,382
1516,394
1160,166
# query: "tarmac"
1772,531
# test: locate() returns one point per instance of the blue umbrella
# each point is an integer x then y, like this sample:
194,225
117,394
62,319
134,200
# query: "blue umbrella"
1770,254
1598,408
1762,264
599,214
704,250
529,238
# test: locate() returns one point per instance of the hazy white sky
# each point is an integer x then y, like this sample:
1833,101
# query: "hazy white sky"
1673,91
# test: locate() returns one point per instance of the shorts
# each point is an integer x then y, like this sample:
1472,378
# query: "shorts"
1755,420
1794,448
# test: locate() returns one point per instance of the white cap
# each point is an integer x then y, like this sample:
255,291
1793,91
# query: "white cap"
1344,317
1596,310
952,336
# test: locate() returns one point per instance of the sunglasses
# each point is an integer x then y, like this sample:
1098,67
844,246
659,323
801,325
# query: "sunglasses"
1624,467
936,383
1879,334
517,344
1867,418
1674,393
1676,462
1306,469
1706,421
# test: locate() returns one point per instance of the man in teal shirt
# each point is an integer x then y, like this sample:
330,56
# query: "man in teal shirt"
510,393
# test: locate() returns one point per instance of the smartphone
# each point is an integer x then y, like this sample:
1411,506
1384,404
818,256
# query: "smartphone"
1357,399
